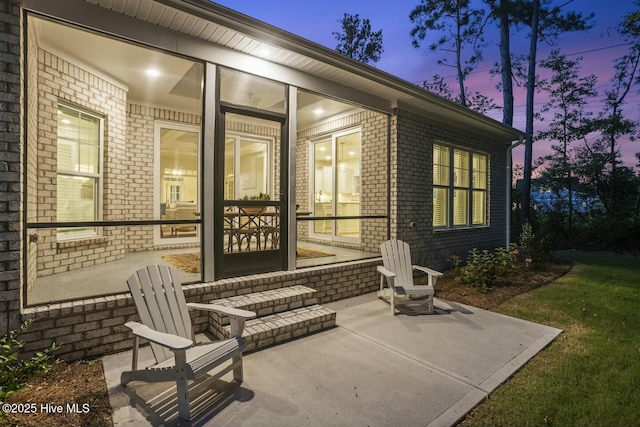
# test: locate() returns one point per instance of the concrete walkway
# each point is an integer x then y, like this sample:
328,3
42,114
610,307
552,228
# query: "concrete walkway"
372,370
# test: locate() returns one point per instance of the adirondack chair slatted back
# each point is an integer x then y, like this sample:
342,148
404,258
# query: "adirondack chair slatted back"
157,293
396,257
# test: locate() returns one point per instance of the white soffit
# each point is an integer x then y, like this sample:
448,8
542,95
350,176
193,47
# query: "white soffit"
222,26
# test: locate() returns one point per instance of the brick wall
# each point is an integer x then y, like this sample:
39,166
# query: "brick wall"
393,181
94,327
140,147
32,160
59,81
128,163
373,174
140,158
412,195
373,181
10,158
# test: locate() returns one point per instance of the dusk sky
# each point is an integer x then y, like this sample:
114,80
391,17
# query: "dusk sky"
599,47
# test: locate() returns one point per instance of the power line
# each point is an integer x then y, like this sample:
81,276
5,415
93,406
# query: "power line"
599,49
453,76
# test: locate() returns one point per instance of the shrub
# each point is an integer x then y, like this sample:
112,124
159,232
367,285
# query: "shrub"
14,372
507,263
483,267
478,271
535,251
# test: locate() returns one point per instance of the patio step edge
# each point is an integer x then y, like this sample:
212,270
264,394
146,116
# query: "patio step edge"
284,326
267,302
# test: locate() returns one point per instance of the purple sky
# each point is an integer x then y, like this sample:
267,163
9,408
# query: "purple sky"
318,19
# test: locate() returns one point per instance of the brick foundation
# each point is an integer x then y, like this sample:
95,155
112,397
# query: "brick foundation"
94,327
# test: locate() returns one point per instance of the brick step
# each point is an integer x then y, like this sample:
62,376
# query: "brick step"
275,328
268,302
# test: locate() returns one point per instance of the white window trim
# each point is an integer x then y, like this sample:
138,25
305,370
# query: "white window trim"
470,189
98,176
311,202
269,141
158,125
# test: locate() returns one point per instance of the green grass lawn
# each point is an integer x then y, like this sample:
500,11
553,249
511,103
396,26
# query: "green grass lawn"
590,375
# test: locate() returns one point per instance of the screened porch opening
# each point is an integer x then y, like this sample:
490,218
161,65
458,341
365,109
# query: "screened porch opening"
114,177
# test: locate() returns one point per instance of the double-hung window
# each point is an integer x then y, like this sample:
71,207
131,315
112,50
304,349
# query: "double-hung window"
79,170
459,187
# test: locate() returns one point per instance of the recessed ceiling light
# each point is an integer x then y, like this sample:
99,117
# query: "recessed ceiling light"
152,72
322,149
318,111
65,121
265,51
352,153
328,158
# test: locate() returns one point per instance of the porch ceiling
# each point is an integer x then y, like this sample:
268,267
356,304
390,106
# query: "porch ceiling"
225,27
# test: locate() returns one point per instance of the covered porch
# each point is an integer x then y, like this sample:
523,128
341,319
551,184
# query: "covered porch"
81,284
144,163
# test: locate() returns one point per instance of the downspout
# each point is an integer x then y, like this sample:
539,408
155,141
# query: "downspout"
509,178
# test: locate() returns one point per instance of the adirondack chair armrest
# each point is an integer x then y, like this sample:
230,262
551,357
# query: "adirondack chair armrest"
385,272
433,274
427,270
221,309
170,341
236,315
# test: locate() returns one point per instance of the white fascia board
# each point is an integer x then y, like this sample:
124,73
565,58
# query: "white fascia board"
96,18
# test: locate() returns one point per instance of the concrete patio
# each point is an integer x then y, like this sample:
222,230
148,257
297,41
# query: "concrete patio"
372,370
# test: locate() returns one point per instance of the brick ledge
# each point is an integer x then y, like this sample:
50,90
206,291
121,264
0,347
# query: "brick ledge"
192,291
66,244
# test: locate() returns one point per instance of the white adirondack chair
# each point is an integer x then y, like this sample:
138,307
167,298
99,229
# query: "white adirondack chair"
165,322
397,274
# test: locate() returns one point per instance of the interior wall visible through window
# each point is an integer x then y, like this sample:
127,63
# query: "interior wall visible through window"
248,166
335,181
178,178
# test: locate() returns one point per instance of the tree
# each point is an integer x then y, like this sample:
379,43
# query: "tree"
438,86
568,95
546,24
609,180
616,223
456,26
476,101
528,145
357,40
613,221
502,12
637,212
611,121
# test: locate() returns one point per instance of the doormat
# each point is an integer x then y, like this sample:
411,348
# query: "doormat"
305,253
190,262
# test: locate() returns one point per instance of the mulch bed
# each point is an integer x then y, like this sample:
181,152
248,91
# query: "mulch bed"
449,289
81,383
